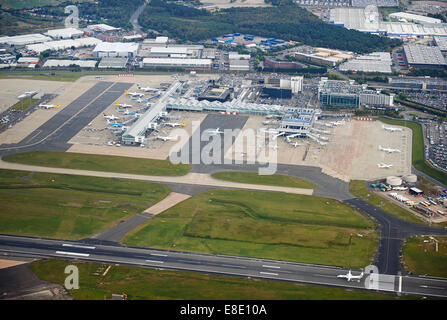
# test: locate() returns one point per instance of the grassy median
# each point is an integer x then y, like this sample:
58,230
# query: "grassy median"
420,256
96,162
263,224
141,283
69,207
269,180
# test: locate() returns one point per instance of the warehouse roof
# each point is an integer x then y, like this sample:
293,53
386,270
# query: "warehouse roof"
64,33
66,63
102,27
174,61
117,47
117,63
25,39
63,44
414,17
420,54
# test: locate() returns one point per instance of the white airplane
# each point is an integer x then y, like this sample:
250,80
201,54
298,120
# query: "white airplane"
174,124
295,144
388,150
146,89
384,166
123,105
400,188
165,138
49,106
350,277
27,94
215,132
134,94
391,129
278,135
112,117
114,124
271,116
139,100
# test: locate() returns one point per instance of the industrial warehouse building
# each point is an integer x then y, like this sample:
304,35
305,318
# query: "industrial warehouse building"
66,33
113,63
63,44
116,49
420,56
177,63
23,40
418,84
414,17
373,62
52,63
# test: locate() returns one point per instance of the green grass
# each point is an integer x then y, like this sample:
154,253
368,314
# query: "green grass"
14,4
418,150
23,104
262,224
420,257
96,162
359,189
270,180
69,207
30,76
149,284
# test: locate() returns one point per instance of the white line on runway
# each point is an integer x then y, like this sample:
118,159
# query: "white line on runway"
400,284
154,261
269,273
274,267
324,275
73,253
233,266
430,287
158,254
77,246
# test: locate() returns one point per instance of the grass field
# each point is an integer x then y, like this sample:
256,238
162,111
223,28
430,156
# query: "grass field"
23,104
69,207
14,4
359,189
270,180
421,257
262,224
418,150
95,162
141,283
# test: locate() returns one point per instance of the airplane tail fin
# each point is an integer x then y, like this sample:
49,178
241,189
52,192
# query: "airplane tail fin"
126,92
183,124
57,106
116,104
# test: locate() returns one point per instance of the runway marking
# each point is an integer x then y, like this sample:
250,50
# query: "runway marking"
154,261
158,254
430,287
233,266
324,275
269,273
400,284
73,253
77,246
274,267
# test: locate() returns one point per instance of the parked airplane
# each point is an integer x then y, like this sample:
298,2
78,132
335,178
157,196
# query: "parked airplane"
125,111
350,277
139,100
215,132
123,105
113,124
278,135
27,94
146,89
49,106
174,124
295,144
383,165
391,129
134,94
388,150
271,116
165,138
112,117
400,188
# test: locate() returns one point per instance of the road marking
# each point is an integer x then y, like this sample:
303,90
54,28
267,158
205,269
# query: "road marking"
324,275
430,287
400,284
77,246
154,261
269,273
274,267
73,253
158,254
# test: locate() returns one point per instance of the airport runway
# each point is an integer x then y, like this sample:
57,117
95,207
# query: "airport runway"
220,264
57,131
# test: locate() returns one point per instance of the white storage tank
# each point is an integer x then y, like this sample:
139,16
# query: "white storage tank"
393,181
411,178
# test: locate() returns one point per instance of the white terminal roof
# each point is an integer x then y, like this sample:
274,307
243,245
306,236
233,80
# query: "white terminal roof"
64,33
161,39
24,39
63,44
178,50
116,47
420,54
373,62
414,17
65,63
177,62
